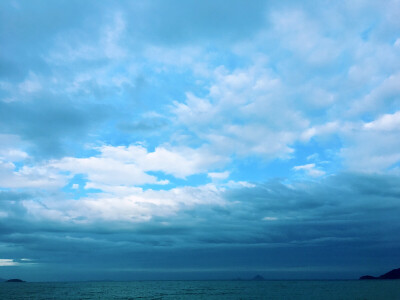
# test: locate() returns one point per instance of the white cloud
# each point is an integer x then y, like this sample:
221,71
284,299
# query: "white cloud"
39,176
301,35
105,170
320,130
244,113
194,57
310,169
380,97
177,161
252,139
16,170
4,262
218,175
239,184
135,206
371,151
113,170
369,159
180,162
72,46
366,147
314,156
44,210
373,146
31,84
387,122
195,111
116,171
111,36
12,154
270,218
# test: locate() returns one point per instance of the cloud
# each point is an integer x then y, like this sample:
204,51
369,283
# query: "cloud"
30,85
76,46
310,169
103,170
320,130
30,177
48,123
372,146
159,130
116,205
144,125
4,262
382,96
300,34
270,218
219,175
12,148
297,220
177,161
387,122
192,21
242,114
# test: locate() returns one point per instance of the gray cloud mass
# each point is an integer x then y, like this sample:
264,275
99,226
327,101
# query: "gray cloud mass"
304,226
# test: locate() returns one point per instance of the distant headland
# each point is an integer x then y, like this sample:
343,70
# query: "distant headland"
15,280
394,274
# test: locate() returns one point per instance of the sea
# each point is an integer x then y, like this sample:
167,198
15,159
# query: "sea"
350,289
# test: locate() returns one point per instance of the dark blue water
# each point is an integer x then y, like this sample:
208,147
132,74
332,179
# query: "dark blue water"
204,290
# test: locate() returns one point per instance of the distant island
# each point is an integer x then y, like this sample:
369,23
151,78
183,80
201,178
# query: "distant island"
394,274
15,280
255,278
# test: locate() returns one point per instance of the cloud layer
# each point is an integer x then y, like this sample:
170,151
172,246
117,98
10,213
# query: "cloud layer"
265,135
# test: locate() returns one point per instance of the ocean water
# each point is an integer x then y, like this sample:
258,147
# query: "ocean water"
387,289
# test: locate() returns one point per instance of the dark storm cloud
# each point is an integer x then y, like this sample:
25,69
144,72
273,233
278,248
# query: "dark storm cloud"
347,222
342,206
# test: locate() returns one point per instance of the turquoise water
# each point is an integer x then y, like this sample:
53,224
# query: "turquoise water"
389,289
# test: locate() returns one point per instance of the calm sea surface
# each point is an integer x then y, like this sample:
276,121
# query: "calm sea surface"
389,289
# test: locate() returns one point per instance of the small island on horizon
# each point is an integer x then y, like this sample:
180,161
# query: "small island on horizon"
15,280
394,274
255,278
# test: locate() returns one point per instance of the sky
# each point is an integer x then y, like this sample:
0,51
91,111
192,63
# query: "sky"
199,139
